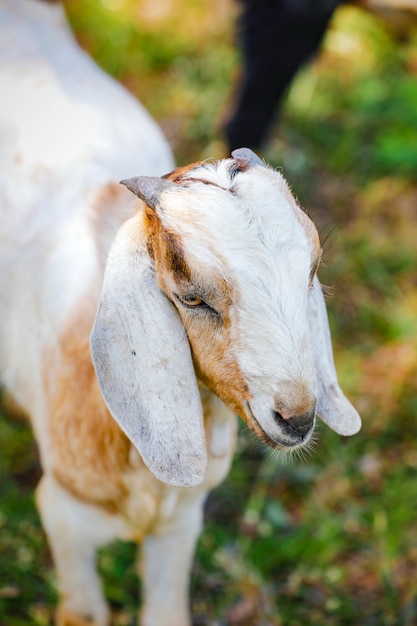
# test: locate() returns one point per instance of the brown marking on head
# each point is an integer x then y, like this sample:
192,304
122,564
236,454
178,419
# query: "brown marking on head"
213,348
178,175
210,338
220,372
239,165
181,174
174,256
165,248
91,453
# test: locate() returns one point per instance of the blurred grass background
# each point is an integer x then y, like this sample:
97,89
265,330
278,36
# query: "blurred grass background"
331,539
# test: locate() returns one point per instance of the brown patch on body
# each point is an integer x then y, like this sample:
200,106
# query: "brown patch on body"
91,453
107,195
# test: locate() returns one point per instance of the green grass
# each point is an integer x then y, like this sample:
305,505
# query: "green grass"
330,539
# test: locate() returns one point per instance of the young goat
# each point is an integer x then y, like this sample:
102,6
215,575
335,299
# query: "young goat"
210,294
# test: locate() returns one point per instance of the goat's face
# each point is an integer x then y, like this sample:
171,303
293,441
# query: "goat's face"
216,276
237,257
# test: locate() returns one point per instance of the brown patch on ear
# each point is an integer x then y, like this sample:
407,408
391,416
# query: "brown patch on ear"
90,451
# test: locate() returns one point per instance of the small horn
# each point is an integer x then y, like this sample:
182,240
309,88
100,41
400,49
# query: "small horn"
149,188
247,155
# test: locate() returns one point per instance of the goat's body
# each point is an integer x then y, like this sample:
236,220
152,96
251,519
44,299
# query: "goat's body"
68,133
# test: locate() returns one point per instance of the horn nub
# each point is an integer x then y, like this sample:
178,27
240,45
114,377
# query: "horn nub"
149,188
246,154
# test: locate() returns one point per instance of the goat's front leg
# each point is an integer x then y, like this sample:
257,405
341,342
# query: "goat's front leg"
165,568
75,530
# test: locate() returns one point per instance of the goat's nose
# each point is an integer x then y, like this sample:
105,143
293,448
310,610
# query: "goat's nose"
302,424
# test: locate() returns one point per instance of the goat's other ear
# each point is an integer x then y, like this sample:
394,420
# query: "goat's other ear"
333,407
143,363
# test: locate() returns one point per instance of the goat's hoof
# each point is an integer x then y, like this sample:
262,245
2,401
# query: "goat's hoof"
64,617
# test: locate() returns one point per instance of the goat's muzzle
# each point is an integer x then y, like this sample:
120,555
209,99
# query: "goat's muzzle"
281,431
299,426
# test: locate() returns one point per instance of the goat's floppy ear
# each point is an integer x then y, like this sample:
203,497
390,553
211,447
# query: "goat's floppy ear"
333,407
143,363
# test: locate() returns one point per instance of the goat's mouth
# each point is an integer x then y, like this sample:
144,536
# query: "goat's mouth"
280,433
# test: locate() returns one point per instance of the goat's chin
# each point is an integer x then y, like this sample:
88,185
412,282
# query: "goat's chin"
274,435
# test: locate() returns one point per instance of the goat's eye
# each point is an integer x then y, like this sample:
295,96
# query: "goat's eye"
191,300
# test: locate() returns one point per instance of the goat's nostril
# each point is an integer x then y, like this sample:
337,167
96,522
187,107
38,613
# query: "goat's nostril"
302,424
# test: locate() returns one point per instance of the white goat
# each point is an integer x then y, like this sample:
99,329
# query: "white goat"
214,276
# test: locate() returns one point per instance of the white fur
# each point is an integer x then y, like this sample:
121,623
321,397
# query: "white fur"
68,133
